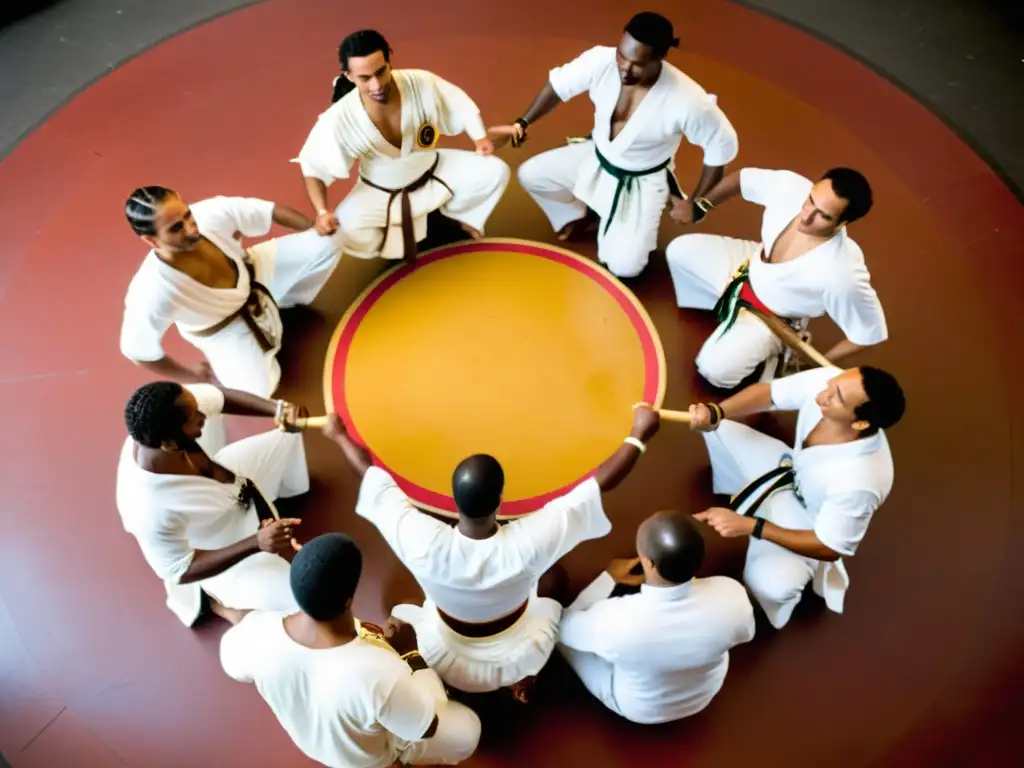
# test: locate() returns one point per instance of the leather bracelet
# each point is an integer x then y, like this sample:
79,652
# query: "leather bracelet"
758,527
717,414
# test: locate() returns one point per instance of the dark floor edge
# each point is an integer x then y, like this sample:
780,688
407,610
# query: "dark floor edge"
92,81
965,137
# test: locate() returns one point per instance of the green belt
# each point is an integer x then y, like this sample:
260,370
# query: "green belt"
625,179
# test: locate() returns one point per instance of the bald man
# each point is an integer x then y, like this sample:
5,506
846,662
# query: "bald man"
661,654
485,624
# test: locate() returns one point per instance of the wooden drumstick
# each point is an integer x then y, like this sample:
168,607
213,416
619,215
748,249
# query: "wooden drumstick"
683,417
311,422
791,338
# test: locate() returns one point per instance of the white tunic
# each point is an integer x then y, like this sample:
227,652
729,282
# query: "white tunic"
478,580
675,107
830,279
345,133
841,486
659,655
354,706
172,516
293,268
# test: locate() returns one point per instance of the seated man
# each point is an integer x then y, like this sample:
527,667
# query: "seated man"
340,689
206,525
389,121
805,265
223,298
484,626
802,507
662,654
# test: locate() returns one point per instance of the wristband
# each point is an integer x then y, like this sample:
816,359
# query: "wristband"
635,443
323,212
717,414
758,527
704,204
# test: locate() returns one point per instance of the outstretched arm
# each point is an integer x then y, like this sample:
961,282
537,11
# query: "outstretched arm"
544,102
357,456
617,466
291,218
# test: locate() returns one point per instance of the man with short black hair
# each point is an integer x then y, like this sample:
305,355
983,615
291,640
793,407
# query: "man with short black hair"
486,624
343,689
661,654
202,511
620,178
804,507
804,266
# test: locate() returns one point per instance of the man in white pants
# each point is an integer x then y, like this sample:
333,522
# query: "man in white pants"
201,511
804,507
806,265
389,121
623,172
484,625
349,694
223,298
662,653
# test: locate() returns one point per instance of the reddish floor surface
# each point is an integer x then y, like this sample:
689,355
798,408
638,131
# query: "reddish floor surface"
923,668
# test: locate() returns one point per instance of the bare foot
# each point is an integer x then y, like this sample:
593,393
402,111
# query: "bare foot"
230,615
521,691
474,233
588,223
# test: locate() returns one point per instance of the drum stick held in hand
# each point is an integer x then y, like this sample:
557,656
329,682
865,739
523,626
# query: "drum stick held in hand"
683,417
311,422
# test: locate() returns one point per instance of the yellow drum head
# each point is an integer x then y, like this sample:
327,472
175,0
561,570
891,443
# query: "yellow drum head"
516,349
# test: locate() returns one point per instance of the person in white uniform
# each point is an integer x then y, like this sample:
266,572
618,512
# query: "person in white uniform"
484,625
390,121
660,654
622,174
348,693
201,511
223,297
807,506
806,265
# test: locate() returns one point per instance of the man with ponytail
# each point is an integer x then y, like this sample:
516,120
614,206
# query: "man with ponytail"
223,297
390,121
620,178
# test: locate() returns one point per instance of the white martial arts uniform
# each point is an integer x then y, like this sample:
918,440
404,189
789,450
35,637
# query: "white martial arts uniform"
658,655
830,279
358,705
171,516
567,180
293,268
840,485
473,184
482,580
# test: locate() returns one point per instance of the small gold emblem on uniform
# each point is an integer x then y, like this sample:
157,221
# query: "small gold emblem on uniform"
426,136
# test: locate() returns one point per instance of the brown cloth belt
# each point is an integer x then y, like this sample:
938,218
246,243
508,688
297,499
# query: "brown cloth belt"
408,234
483,629
249,311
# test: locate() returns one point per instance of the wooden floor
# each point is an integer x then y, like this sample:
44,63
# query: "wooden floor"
924,667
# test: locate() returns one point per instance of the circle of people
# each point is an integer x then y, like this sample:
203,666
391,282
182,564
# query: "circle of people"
646,638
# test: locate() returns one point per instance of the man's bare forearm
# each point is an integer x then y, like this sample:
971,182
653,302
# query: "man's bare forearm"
240,403
710,177
544,102
357,456
291,218
207,563
317,192
753,399
844,348
800,542
724,188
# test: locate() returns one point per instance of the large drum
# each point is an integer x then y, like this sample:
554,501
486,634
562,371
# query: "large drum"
513,348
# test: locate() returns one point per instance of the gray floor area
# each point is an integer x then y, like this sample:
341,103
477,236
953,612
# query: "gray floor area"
964,59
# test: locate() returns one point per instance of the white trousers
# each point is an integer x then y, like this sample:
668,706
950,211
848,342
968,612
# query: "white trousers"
550,179
477,183
596,673
294,268
480,665
775,576
457,735
701,267
276,462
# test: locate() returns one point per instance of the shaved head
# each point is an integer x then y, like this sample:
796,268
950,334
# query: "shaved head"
477,485
673,544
